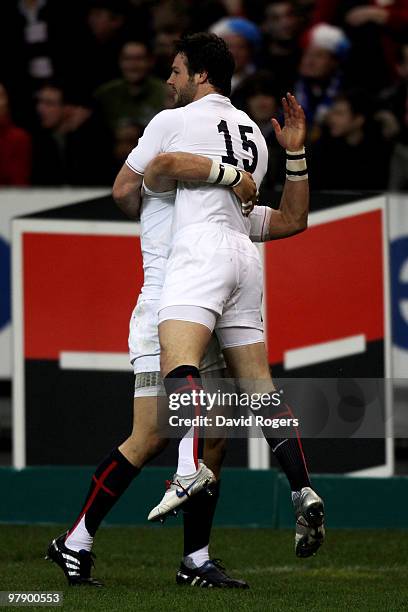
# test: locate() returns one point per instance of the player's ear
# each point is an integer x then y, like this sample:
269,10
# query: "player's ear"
202,77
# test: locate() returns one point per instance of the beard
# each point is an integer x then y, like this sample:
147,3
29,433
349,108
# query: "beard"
187,94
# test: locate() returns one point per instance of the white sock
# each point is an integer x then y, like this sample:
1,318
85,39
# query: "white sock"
198,558
79,539
186,464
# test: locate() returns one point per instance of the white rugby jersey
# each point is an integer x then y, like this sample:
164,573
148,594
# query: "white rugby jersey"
156,224
156,217
213,127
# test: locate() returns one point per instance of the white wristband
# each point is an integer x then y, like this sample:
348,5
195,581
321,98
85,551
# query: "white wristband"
296,168
295,178
301,151
224,175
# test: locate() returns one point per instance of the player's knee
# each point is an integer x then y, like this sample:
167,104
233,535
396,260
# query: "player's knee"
145,447
166,360
153,445
165,363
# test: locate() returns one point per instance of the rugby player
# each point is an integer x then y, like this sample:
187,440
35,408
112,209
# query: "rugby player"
72,550
74,556
210,243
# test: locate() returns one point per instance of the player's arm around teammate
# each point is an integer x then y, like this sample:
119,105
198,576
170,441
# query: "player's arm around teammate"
290,219
166,169
249,361
126,192
162,172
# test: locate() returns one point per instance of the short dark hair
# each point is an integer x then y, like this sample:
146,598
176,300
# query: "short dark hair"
209,53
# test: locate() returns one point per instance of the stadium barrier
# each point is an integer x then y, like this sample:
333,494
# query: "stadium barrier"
55,494
19,201
326,314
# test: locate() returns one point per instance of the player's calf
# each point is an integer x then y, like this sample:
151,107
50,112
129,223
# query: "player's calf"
287,448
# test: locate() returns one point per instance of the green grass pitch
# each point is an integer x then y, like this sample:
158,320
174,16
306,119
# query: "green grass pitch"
355,570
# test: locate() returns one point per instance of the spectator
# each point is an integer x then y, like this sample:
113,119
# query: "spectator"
35,39
98,45
127,136
15,147
163,51
69,148
281,54
243,39
351,154
394,115
170,14
373,28
320,73
137,95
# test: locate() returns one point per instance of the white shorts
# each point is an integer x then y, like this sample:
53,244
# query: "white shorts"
218,269
228,337
144,346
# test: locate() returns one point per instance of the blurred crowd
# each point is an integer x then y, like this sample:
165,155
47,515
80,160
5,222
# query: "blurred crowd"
80,80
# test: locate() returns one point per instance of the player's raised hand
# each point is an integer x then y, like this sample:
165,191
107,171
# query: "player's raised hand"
292,136
247,192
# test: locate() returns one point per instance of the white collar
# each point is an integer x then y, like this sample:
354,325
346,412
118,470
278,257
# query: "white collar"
213,96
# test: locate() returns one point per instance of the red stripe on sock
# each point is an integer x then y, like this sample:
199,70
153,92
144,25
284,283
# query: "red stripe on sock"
299,440
103,487
183,388
195,447
195,387
95,492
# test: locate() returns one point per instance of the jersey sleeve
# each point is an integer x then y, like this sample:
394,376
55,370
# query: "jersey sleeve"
163,134
262,157
260,218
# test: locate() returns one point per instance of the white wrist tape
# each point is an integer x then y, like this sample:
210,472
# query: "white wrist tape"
296,167
301,151
224,175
